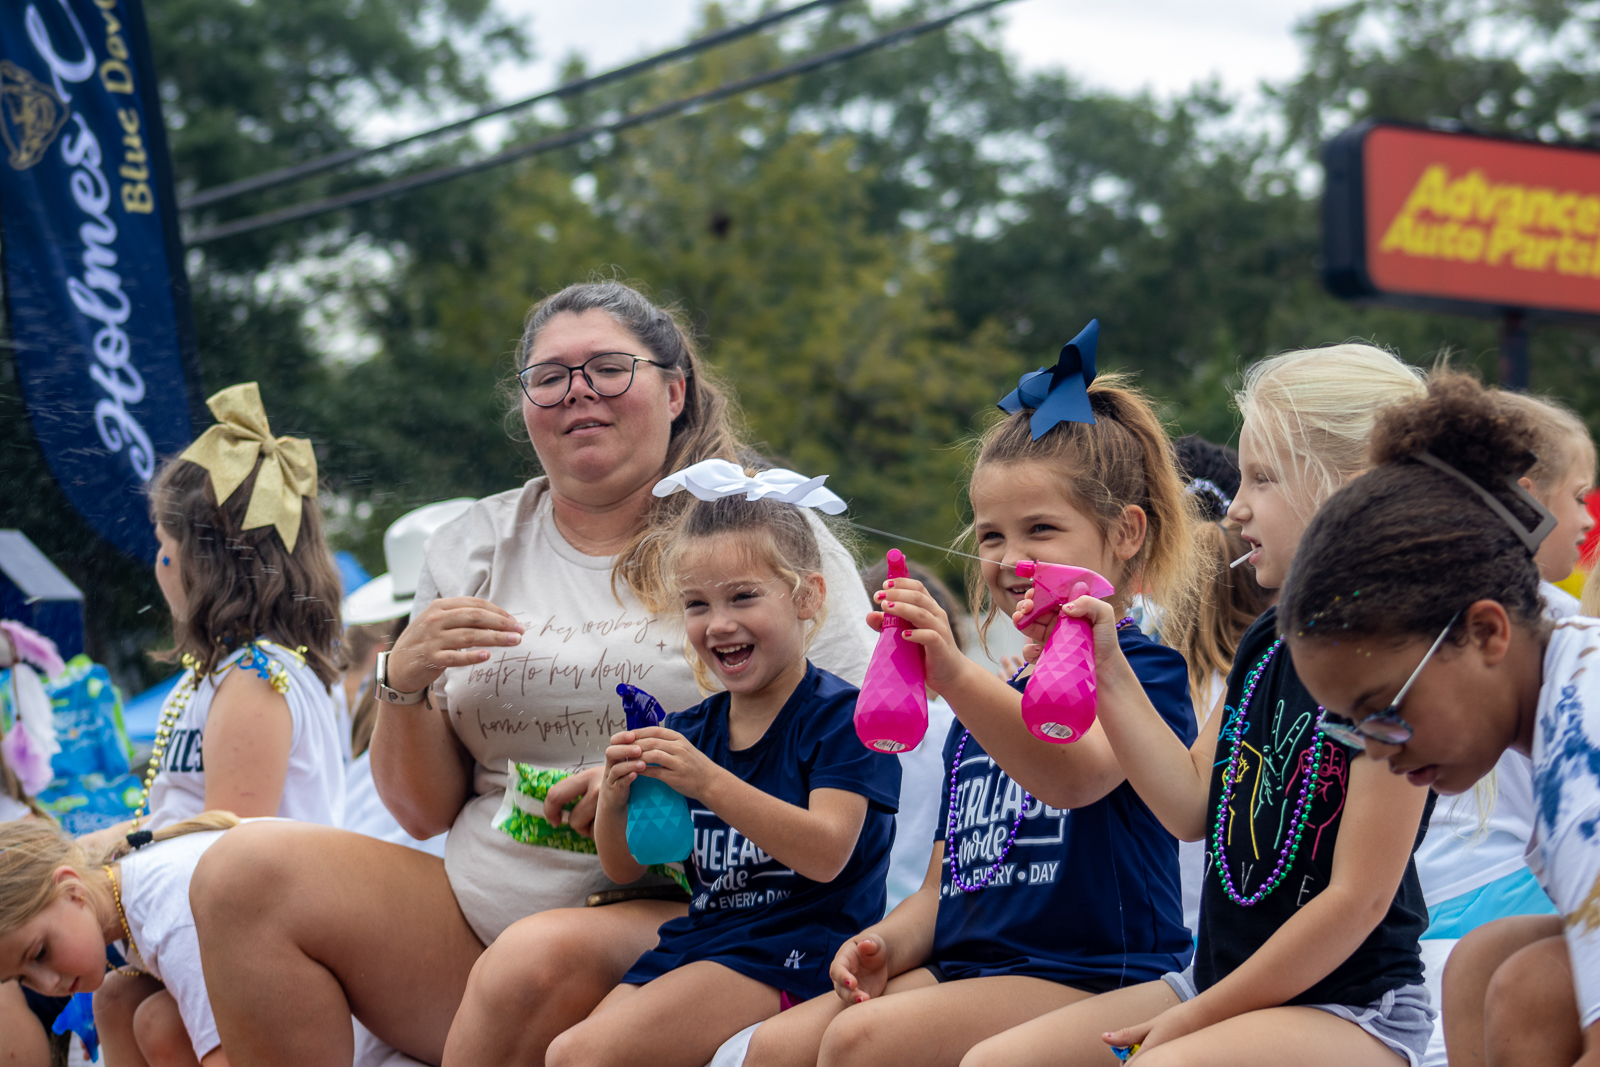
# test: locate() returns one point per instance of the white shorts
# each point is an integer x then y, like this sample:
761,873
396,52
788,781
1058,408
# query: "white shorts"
1402,1018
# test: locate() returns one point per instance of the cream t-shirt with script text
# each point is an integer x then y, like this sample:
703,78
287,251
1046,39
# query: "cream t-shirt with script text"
551,702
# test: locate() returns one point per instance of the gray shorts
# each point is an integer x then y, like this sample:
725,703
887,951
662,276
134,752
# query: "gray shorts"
1402,1018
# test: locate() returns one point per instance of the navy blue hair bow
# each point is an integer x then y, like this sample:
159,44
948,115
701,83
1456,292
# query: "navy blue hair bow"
1060,394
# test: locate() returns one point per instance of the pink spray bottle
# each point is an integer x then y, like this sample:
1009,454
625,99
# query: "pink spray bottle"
892,710
1059,703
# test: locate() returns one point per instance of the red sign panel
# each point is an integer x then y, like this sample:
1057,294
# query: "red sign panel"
1459,217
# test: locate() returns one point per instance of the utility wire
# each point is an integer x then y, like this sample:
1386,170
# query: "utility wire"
324,205
334,160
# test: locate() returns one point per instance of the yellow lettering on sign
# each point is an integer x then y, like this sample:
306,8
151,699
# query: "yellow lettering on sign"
1468,219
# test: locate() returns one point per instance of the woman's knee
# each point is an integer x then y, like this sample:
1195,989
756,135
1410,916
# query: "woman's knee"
581,1046
244,873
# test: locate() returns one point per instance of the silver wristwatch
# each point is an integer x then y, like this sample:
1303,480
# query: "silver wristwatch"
390,695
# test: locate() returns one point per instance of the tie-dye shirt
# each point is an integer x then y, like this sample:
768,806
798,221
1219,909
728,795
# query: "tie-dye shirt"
1565,851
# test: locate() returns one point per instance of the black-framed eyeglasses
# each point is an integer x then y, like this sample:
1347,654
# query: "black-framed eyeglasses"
1386,727
608,374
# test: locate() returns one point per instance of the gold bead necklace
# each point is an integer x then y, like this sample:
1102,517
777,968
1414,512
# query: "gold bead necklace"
127,931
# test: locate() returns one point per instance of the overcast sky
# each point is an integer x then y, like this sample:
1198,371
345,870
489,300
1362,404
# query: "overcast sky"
1165,45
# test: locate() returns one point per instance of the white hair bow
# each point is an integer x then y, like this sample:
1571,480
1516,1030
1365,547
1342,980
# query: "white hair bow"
713,479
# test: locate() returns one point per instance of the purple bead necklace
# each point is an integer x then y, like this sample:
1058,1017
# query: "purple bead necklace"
1297,823
950,822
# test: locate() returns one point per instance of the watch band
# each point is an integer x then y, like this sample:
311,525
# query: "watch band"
387,693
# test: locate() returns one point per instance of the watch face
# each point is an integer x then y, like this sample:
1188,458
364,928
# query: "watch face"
383,669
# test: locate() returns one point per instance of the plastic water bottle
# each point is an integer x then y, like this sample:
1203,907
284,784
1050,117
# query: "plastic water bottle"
659,827
1060,700
892,710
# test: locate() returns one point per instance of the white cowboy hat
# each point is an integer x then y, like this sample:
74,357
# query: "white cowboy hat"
389,596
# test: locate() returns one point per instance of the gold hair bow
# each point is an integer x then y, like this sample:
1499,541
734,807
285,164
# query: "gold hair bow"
228,452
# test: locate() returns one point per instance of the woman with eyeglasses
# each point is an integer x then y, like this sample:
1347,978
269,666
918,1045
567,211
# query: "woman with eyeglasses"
1445,669
1310,908
498,702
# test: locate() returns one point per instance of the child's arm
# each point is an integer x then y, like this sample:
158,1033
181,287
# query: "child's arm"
1063,776
247,739
903,940
1379,827
611,817
815,841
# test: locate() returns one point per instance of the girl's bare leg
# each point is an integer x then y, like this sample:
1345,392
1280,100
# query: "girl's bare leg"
1530,1012
159,1029
23,1041
678,1020
545,974
301,926
115,1004
1472,966
924,1021
1070,1036
794,1038
1274,1037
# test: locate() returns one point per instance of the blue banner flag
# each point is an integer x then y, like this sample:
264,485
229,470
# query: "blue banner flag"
95,286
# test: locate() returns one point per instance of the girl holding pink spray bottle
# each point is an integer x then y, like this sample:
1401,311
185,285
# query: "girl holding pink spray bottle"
1050,880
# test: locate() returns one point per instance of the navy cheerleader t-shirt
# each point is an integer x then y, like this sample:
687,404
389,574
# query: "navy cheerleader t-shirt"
748,911
1087,897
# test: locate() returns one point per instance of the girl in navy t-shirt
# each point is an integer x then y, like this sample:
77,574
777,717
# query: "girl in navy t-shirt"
793,816
1050,880
1310,908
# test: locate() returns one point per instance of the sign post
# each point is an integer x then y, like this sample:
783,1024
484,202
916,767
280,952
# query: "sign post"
94,278
1464,224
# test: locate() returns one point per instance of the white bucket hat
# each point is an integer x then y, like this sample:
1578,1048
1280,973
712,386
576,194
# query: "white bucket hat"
389,596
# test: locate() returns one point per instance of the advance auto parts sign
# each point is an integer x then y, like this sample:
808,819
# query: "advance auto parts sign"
94,280
1462,222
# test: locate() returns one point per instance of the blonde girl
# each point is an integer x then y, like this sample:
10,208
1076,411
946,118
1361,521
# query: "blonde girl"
60,907
793,816
1310,910
1050,880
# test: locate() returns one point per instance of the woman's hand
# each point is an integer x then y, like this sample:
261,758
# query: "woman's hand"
454,631
579,787
860,969
910,600
667,756
622,767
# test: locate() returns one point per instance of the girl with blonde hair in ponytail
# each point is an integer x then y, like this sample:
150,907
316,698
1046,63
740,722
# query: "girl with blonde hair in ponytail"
61,905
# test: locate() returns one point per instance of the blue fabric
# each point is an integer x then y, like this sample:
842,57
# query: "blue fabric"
1060,394
1085,895
749,912
1517,893
96,298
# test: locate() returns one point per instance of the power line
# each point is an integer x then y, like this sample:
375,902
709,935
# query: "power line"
324,205
334,160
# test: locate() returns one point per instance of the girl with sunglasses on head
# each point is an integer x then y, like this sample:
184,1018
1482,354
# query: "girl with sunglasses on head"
1310,909
1444,662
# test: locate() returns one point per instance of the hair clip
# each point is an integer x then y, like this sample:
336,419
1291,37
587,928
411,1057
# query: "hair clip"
1060,394
1533,538
140,838
714,479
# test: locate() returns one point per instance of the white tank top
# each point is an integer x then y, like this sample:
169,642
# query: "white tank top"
313,790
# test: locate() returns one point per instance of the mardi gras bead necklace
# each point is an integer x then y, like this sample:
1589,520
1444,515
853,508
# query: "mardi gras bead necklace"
255,658
1011,839
127,931
1297,822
